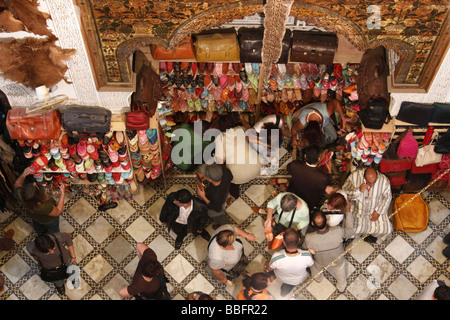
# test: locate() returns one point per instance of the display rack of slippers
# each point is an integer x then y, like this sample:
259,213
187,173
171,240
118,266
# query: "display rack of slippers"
209,86
97,163
145,154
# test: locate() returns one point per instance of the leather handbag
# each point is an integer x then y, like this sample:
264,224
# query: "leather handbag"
395,165
426,154
251,42
313,47
148,89
87,119
441,113
391,152
185,50
415,113
375,115
137,119
428,168
413,217
408,146
217,47
371,83
21,126
443,144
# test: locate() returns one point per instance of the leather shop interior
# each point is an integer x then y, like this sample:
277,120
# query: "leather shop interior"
93,93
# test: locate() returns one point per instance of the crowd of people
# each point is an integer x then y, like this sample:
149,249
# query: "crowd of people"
306,225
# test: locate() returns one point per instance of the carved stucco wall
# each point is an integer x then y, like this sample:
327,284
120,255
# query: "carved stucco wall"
65,24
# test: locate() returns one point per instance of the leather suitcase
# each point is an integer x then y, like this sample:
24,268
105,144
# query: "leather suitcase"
38,127
217,47
87,119
251,42
185,50
372,77
313,47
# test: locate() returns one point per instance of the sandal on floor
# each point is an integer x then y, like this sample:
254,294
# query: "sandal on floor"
259,210
108,205
276,181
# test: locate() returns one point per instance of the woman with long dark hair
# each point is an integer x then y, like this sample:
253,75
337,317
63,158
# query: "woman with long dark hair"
255,287
43,210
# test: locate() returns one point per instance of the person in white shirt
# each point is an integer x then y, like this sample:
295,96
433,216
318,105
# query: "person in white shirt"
290,264
226,257
184,213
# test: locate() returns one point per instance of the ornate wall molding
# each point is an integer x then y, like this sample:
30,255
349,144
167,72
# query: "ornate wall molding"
411,27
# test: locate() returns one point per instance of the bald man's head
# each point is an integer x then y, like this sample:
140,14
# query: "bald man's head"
371,176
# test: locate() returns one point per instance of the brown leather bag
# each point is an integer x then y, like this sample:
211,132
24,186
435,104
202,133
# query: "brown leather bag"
185,50
313,47
148,89
251,43
137,119
217,47
38,127
371,83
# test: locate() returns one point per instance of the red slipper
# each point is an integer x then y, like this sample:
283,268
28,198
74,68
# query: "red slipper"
276,181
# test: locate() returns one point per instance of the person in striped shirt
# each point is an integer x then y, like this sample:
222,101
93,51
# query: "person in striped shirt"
289,265
370,195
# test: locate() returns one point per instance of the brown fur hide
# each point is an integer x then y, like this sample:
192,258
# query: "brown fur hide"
10,24
34,62
26,11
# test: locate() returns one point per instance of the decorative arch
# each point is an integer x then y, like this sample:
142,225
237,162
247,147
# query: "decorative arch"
347,18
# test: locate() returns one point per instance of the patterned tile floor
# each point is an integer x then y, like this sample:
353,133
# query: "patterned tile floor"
399,269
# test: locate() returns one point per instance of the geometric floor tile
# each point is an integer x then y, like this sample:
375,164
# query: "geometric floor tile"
82,210
98,268
34,288
140,229
119,248
402,288
105,246
362,288
399,249
421,269
15,268
100,229
179,268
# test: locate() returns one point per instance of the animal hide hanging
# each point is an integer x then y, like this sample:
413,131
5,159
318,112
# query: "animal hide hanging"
34,62
276,14
27,13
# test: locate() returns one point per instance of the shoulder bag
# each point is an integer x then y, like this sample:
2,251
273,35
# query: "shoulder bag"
313,47
412,217
408,146
137,118
58,273
21,126
87,119
372,77
217,47
426,154
185,50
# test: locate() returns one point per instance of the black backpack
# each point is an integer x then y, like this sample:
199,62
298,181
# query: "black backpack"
375,115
